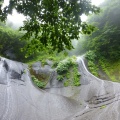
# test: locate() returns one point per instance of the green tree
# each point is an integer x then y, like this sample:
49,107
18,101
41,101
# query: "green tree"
10,43
51,22
105,41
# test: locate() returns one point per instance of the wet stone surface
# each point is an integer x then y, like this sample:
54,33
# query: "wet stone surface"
95,99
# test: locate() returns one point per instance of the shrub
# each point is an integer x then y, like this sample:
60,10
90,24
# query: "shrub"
66,83
103,106
63,66
60,78
93,68
55,64
90,55
40,84
68,69
76,75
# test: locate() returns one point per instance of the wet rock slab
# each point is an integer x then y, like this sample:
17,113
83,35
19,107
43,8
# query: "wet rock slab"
95,99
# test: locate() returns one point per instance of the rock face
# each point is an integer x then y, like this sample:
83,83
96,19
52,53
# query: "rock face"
42,73
95,99
38,69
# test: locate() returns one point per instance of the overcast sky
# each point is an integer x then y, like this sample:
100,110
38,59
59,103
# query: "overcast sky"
94,2
18,18
97,2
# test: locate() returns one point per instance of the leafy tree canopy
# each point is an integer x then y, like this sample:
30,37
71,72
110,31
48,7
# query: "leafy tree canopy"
10,44
106,41
51,22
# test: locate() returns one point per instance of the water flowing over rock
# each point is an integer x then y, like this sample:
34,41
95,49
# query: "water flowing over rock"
20,99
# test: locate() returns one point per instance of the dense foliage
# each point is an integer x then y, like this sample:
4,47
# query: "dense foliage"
10,44
51,22
91,57
105,41
68,71
64,66
37,82
103,46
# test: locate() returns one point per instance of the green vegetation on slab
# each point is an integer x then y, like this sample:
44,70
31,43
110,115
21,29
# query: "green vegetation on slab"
60,77
43,56
68,70
111,68
40,79
103,106
66,83
76,76
40,84
92,66
64,65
